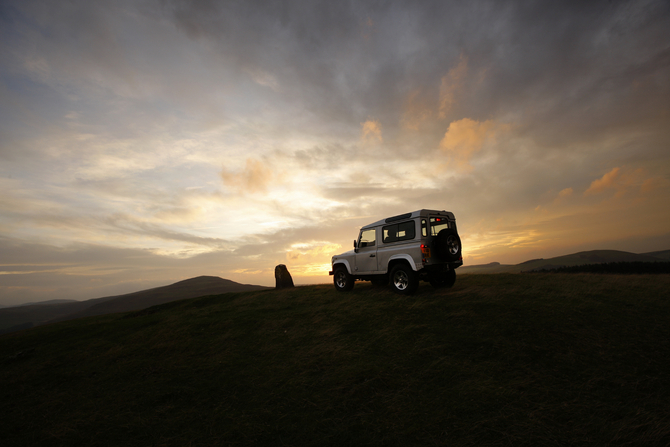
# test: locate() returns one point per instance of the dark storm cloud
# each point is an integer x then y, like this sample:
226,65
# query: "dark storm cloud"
563,70
587,67
539,62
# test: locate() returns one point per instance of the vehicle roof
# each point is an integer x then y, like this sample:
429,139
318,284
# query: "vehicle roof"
412,215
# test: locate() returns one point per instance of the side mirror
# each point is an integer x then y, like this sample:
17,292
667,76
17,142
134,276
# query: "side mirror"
355,246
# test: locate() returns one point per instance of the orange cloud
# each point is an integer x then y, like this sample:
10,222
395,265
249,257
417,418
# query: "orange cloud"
565,193
466,137
417,111
371,132
451,83
652,184
622,181
607,181
255,177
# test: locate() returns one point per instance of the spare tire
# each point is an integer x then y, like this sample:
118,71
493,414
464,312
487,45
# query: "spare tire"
448,245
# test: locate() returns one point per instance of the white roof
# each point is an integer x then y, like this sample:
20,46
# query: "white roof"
413,214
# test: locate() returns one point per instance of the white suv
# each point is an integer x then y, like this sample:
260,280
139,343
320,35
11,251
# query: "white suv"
402,250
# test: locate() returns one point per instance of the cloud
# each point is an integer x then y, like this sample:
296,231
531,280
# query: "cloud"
417,111
371,132
607,181
451,84
466,137
254,178
625,180
567,192
265,79
563,195
653,184
163,125
367,28
311,259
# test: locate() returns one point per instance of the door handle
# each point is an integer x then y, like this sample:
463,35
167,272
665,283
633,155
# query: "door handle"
372,256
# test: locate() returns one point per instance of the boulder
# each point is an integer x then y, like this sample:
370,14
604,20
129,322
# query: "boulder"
283,278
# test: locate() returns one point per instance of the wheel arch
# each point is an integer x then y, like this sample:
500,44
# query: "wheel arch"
344,263
400,259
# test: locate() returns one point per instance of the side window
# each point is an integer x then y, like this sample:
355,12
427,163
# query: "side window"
424,228
438,224
398,232
367,238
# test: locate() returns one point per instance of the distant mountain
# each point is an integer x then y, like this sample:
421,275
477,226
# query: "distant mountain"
581,258
23,317
41,303
664,255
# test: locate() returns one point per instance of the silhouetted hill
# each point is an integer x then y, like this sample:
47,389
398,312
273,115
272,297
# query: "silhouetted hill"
508,359
17,318
22,317
581,258
40,303
665,254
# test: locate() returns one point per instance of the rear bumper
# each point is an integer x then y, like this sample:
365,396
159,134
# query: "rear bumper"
443,266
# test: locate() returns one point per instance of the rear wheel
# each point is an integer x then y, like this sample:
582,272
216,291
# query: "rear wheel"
342,280
404,280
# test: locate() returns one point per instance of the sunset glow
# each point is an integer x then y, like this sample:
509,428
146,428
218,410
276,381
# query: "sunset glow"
142,143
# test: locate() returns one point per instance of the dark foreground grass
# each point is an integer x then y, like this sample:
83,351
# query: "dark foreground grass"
522,360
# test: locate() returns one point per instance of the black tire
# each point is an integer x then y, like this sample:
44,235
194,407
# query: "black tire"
448,245
342,280
404,280
443,279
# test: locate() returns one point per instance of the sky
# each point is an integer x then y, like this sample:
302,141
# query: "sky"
144,142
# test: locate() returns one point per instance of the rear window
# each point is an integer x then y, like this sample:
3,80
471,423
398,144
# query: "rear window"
398,232
438,224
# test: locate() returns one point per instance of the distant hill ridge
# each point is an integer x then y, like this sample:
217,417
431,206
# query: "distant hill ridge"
26,316
575,259
23,317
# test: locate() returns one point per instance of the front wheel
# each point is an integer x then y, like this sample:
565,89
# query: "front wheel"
342,280
404,280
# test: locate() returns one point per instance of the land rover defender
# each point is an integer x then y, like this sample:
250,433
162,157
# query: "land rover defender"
401,251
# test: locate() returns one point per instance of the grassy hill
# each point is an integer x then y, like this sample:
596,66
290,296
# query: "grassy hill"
543,359
571,260
664,255
26,316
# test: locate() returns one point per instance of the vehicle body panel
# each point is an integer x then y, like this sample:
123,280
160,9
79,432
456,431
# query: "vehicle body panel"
407,238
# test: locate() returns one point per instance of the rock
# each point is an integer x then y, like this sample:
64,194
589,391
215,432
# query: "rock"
283,277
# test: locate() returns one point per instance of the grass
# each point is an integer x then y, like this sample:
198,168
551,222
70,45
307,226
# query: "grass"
541,359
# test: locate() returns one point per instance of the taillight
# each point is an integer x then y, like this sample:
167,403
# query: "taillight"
425,253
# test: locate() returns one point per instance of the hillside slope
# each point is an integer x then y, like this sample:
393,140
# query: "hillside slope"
544,359
188,288
581,258
663,255
17,318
